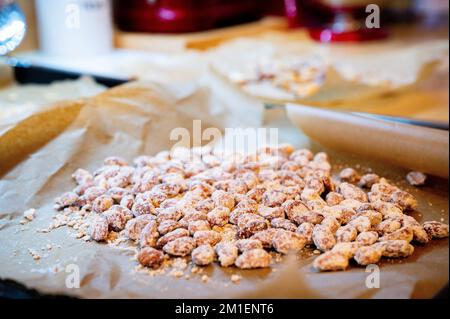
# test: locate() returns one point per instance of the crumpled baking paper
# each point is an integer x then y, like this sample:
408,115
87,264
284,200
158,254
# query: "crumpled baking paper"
39,153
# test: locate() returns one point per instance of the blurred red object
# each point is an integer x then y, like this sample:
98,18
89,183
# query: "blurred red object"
333,20
175,16
275,8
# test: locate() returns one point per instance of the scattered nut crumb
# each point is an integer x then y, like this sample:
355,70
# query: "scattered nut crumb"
236,278
29,214
177,273
416,178
34,254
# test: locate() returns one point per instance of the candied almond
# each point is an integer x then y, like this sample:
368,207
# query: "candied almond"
306,230
367,255
283,223
254,258
117,217
346,233
180,247
66,199
436,229
150,257
270,213
273,198
219,216
367,238
349,175
203,255
348,249
332,224
222,198
285,241
99,229
135,226
227,253
167,238
198,225
404,233
416,178
334,198
323,238
142,208
209,237
350,191
102,203
403,199
331,261
265,236
249,224
361,223
167,226
395,248
367,180
149,235
247,244
192,216
388,226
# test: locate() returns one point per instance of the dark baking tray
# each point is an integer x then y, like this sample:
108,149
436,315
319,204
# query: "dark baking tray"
33,74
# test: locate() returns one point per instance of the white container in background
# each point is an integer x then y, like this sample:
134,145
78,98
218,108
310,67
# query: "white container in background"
74,28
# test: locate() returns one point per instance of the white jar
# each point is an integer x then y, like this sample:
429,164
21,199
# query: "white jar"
69,28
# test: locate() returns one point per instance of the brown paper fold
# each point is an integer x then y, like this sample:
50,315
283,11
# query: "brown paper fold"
413,147
357,73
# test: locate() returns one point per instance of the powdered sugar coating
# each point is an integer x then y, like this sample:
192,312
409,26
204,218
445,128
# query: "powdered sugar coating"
277,199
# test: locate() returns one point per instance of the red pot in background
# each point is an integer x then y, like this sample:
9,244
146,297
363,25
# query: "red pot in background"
275,8
173,16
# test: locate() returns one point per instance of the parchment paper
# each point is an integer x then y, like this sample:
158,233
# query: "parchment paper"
137,119
22,100
355,73
417,148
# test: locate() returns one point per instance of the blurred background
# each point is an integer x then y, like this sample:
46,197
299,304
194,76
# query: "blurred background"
179,16
378,47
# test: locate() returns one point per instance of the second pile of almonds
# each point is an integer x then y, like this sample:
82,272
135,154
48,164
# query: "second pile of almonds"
236,210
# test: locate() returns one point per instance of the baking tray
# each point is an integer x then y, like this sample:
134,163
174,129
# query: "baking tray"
25,73
99,127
